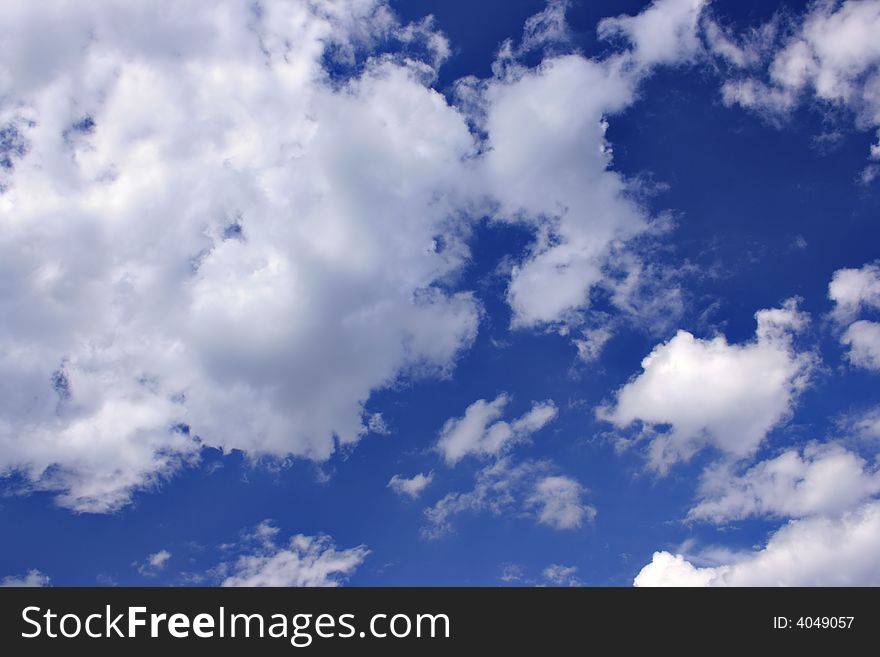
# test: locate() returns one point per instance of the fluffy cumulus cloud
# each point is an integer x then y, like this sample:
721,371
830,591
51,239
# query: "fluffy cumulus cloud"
411,487
31,579
302,561
863,339
842,550
854,291
228,226
527,489
831,53
694,393
820,479
207,233
556,177
480,431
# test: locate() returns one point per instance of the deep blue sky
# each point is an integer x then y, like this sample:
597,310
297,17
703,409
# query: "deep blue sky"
741,190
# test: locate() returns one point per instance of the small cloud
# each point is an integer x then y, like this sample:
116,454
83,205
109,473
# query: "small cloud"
32,579
154,563
377,425
512,573
411,487
559,503
482,432
517,489
558,575
264,533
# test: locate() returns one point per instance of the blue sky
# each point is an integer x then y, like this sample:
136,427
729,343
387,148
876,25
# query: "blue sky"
261,263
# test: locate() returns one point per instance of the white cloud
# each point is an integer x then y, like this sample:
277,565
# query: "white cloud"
559,503
854,291
869,173
739,50
31,579
668,569
832,53
818,551
547,28
556,176
154,563
204,229
411,487
264,533
553,575
158,559
526,489
211,240
559,575
851,290
511,573
712,393
480,432
664,33
865,424
590,347
378,425
863,339
303,561
820,479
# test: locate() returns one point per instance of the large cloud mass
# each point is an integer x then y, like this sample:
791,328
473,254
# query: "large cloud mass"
234,221
204,232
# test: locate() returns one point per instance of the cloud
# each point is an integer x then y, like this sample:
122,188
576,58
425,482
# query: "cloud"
664,33
511,573
863,339
526,489
377,425
832,53
412,487
865,424
303,561
155,562
229,228
558,500
553,575
740,50
818,551
547,28
818,479
158,559
556,178
710,393
32,579
221,229
854,291
480,432
559,575
590,347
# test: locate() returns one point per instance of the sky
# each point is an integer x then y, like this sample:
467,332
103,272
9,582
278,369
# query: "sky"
422,292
